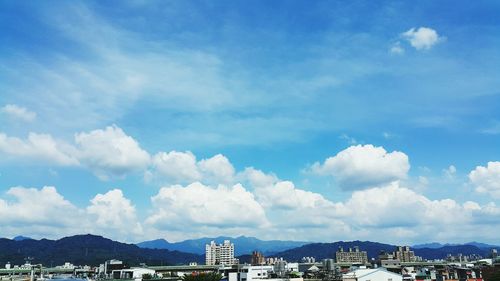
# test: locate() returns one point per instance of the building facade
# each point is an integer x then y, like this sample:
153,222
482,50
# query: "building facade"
220,253
404,254
353,255
258,258
379,274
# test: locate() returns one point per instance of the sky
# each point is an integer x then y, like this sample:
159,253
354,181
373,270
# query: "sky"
292,120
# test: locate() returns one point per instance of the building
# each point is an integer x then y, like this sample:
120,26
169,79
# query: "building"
404,254
220,253
308,260
277,272
132,273
249,273
364,274
258,258
107,268
351,256
494,253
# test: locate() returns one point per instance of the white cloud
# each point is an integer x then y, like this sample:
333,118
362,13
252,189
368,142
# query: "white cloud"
179,167
422,38
450,172
110,152
350,140
289,206
392,206
183,167
487,179
218,168
274,193
397,49
394,209
45,213
112,211
18,112
43,209
364,166
198,205
41,147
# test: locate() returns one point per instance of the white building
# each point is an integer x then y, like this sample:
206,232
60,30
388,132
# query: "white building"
66,265
220,254
257,272
379,274
253,272
132,273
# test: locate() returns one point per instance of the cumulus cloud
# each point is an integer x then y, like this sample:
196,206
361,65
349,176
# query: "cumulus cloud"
422,38
183,167
46,213
107,153
363,166
487,179
110,152
289,205
42,147
113,211
274,193
392,205
37,210
402,212
18,112
198,205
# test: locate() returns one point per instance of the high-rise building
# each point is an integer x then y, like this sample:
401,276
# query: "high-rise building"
351,256
258,258
404,254
220,254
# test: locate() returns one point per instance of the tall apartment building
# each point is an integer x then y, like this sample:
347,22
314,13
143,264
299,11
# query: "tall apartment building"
351,256
220,254
258,258
404,254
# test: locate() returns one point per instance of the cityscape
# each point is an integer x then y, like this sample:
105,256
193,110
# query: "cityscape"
249,140
351,264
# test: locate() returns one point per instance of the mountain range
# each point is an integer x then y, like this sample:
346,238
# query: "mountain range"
435,245
294,251
327,250
93,250
243,245
87,250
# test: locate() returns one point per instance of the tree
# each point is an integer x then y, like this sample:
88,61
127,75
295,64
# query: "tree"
211,276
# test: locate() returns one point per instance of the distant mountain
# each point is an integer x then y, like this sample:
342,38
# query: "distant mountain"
483,245
442,252
21,238
433,245
87,250
436,245
242,245
327,250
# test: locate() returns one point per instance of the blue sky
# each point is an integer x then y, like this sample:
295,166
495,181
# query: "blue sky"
317,121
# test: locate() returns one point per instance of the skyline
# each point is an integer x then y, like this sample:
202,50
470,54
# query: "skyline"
320,121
